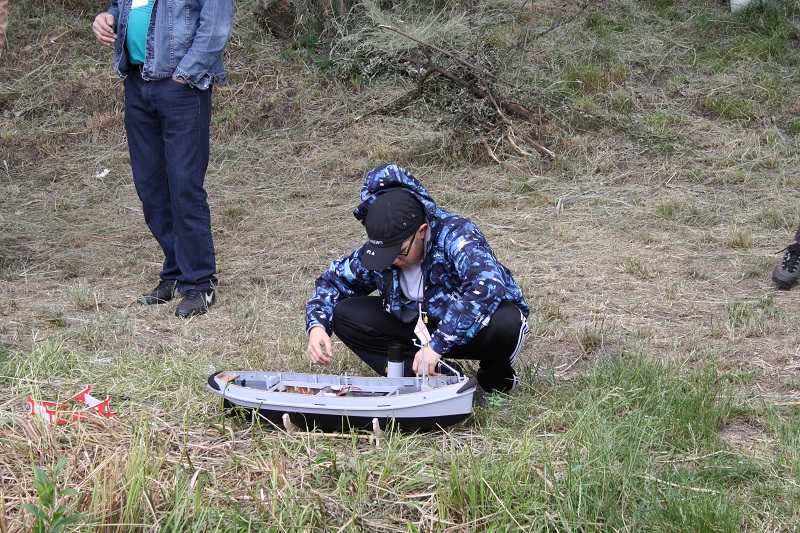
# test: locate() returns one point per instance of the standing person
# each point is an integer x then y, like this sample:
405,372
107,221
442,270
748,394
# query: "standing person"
787,272
170,54
432,269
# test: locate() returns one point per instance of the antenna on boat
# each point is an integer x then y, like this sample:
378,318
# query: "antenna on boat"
423,378
422,350
452,369
423,335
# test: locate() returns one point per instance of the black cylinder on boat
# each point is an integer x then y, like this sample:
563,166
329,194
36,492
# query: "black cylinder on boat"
394,368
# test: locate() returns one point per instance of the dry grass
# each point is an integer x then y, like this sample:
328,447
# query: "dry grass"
654,227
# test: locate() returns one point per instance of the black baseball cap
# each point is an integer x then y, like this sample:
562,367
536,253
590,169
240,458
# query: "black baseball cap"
391,219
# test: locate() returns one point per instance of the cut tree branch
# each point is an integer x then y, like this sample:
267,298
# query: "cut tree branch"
462,62
500,106
484,92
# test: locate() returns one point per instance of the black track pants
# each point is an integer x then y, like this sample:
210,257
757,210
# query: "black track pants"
364,327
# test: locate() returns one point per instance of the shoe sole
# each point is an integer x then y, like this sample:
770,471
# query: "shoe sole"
150,298
784,285
195,312
190,315
783,282
152,301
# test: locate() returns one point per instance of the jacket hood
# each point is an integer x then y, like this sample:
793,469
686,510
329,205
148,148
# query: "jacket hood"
389,177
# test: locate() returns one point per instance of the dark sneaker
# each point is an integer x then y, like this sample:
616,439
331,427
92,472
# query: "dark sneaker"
195,302
492,400
164,292
787,272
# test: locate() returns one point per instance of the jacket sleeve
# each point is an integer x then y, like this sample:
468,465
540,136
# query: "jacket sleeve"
114,9
483,287
212,35
345,278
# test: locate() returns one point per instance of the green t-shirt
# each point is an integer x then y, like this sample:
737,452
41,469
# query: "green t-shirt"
138,23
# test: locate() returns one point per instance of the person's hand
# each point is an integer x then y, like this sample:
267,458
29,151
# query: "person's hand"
103,28
319,346
431,361
178,80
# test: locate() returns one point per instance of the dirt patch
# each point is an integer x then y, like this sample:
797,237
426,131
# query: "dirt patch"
749,438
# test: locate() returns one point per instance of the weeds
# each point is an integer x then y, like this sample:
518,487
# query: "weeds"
49,515
751,319
7,271
593,337
81,295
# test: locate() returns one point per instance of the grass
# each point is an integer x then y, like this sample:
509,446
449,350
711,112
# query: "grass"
660,381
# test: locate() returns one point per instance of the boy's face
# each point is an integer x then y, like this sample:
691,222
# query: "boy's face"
413,249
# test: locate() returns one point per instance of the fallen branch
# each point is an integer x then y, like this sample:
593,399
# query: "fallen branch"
507,121
484,92
500,106
462,62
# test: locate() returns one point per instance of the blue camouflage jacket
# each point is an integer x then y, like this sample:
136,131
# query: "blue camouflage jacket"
464,283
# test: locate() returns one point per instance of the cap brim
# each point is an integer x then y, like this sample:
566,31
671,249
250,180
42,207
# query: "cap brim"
375,258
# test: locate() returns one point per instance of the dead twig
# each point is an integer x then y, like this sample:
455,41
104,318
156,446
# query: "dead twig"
482,91
677,486
501,502
490,151
454,57
501,107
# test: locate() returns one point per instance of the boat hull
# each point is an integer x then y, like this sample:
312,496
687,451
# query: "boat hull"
317,401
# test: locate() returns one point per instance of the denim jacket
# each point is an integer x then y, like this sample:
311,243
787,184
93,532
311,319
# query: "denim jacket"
464,283
185,40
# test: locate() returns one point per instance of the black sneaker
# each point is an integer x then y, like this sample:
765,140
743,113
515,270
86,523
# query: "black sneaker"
492,400
787,272
164,292
195,302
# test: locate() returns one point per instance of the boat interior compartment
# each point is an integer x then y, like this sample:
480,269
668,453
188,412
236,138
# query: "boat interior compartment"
331,390
332,385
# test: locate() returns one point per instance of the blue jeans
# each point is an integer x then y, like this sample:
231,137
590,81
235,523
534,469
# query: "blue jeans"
168,138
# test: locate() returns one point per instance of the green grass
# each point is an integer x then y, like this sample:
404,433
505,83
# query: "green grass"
624,446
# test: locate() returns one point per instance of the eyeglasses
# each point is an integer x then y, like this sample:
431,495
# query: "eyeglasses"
406,249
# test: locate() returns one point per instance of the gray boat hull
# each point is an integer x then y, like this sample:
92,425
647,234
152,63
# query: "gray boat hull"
339,403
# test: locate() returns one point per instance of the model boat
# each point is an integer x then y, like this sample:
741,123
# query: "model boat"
342,402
